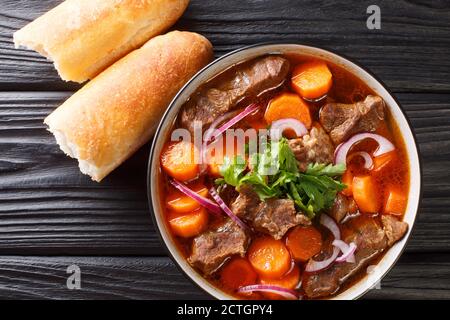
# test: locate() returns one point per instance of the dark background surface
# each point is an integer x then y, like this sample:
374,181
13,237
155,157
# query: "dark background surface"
51,216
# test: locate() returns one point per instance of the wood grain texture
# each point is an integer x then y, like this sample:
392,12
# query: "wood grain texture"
47,203
411,31
49,207
101,278
417,276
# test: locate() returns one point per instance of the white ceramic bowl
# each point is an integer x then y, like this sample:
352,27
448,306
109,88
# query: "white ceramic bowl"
244,54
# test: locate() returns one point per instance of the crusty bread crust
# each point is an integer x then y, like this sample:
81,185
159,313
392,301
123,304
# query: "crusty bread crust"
83,37
116,113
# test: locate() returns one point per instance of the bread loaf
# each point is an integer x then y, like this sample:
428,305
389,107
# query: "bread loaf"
83,37
116,113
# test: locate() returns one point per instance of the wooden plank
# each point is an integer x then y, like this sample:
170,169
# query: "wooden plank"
48,207
410,52
415,276
45,199
101,278
19,67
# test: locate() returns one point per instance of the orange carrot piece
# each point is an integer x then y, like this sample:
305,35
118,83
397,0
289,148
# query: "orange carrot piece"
179,202
215,154
214,170
396,203
190,224
304,243
289,281
288,105
312,80
366,194
178,160
238,273
216,159
269,257
381,162
347,179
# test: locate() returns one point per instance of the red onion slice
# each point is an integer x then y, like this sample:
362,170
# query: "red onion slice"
331,225
248,110
341,245
227,210
285,293
384,146
277,128
213,127
368,161
207,137
348,251
315,266
208,204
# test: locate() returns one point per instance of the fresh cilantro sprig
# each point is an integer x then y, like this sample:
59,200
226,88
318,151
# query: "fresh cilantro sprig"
275,173
320,169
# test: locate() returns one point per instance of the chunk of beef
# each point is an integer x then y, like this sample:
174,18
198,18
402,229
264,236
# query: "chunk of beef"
277,216
212,248
344,120
246,204
393,228
227,91
228,194
367,234
313,147
274,216
371,240
342,207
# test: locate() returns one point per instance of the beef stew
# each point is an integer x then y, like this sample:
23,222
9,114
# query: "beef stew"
288,220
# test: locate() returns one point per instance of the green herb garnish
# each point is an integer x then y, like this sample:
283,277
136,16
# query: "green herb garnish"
275,173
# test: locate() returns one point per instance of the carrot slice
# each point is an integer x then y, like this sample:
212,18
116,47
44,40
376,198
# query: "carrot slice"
216,158
381,162
366,194
304,243
288,105
178,160
179,202
269,257
396,203
289,281
190,224
238,273
214,170
312,80
347,179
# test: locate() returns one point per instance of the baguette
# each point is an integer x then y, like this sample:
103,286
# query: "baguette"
83,37
116,113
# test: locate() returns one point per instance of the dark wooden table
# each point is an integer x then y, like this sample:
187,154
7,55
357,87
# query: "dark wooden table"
51,216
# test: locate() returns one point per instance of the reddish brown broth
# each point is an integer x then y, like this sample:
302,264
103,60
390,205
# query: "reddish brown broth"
347,88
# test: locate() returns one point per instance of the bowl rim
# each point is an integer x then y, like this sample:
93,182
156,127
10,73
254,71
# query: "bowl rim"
174,101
